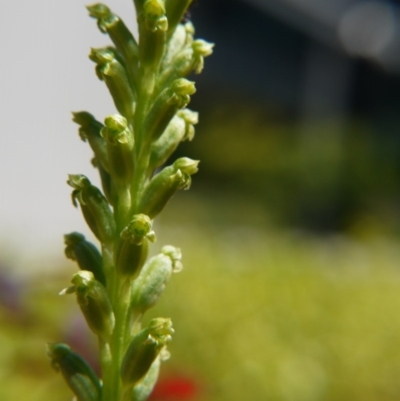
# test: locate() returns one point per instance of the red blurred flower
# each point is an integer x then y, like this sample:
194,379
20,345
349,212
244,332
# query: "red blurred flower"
174,388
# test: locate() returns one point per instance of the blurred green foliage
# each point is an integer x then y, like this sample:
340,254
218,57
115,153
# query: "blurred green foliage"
286,317
328,175
258,316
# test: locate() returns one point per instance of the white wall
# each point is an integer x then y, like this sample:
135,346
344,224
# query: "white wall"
44,74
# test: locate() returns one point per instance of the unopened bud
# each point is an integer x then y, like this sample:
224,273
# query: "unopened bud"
148,287
122,38
86,255
144,349
180,128
94,206
79,376
113,73
144,387
176,97
201,49
94,303
164,185
153,25
186,165
138,229
90,130
154,15
179,41
120,142
133,250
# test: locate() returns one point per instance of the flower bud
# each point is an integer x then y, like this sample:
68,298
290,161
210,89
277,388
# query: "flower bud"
90,130
94,206
122,38
179,129
86,255
154,15
148,287
120,141
133,251
176,97
176,9
190,118
144,349
201,49
94,303
191,58
113,73
164,185
187,166
181,39
79,376
153,25
144,387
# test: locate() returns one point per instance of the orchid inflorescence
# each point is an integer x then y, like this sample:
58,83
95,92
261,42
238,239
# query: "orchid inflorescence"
117,284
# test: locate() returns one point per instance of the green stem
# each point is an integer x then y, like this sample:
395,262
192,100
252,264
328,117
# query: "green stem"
112,383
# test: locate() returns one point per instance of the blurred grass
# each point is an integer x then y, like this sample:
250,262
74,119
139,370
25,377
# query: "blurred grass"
259,315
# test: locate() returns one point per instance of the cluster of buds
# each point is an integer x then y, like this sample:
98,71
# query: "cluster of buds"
117,282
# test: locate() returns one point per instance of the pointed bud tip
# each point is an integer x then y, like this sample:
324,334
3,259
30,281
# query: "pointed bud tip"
101,55
175,255
56,350
161,328
98,10
78,181
139,228
116,122
154,8
202,48
73,238
183,86
82,117
189,116
186,165
82,278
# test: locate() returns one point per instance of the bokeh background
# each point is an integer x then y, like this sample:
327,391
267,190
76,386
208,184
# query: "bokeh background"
290,232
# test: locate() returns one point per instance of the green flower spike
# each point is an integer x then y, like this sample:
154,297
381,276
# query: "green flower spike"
94,206
86,255
94,303
144,349
119,140
133,250
151,283
164,185
146,76
79,376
